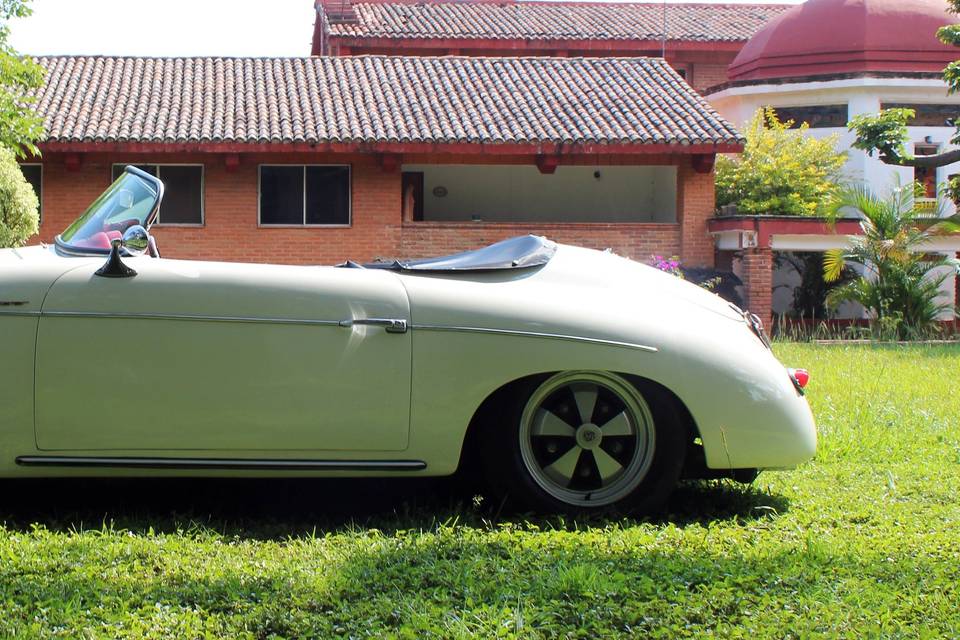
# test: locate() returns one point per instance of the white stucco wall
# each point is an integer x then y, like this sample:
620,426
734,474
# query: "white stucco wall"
571,194
862,96
786,279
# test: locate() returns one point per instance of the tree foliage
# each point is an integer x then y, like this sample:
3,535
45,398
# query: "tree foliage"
20,126
900,283
781,170
886,132
18,203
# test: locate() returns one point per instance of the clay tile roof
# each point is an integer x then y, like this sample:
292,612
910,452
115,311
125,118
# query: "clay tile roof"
555,20
367,99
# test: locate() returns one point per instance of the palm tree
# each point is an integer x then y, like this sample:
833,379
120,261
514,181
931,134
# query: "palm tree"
899,284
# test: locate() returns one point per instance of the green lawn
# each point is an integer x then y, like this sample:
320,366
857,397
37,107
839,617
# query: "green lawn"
863,542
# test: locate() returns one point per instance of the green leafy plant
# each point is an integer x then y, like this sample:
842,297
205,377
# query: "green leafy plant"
18,203
900,284
886,132
20,126
781,171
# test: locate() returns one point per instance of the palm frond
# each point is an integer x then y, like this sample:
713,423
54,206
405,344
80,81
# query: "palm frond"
850,292
834,261
945,226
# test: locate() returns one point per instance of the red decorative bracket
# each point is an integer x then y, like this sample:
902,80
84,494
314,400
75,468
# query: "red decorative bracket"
703,162
72,161
547,164
232,162
390,162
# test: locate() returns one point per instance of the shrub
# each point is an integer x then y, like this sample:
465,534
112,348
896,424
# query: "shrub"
18,203
781,171
900,286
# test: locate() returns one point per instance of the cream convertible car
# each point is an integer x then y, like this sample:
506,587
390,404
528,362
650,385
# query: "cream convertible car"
573,379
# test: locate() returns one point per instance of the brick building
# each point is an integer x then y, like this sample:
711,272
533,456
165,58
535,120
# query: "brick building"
414,129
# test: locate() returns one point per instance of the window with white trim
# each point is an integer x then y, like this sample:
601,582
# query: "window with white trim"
304,195
182,194
34,175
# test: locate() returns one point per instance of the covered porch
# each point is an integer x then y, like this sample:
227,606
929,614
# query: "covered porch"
635,204
750,246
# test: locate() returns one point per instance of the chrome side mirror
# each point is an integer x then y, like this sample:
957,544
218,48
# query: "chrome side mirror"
135,241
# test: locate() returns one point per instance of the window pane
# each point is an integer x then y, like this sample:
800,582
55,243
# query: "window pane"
34,175
281,195
927,115
146,168
328,195
182,195
818,117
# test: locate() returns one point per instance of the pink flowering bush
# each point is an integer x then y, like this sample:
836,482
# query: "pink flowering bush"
671,265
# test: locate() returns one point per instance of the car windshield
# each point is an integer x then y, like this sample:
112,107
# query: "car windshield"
132,200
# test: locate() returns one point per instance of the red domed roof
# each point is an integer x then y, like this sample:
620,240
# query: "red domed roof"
830,37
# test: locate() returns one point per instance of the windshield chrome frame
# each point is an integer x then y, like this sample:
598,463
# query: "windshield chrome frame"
154,181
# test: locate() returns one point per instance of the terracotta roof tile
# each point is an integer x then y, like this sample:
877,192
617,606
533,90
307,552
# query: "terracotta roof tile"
374,99
556,20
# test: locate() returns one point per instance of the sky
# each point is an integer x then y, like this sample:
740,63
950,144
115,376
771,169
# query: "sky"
169,27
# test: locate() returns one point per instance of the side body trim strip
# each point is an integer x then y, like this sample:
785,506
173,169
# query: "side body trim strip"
175,316
327,323
536,334
222,463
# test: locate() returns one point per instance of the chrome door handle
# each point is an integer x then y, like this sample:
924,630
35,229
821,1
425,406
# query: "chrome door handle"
391,325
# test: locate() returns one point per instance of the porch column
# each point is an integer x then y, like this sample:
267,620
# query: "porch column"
695,206
757,276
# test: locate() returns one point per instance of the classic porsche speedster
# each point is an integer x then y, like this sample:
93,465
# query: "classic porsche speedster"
573,379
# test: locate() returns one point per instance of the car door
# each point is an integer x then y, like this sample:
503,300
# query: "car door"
219,357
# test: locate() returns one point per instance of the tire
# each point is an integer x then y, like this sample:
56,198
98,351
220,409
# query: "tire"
585,441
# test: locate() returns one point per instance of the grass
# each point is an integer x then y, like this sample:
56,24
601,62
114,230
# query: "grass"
863,542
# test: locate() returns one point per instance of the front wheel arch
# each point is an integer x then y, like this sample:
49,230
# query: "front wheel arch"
503,403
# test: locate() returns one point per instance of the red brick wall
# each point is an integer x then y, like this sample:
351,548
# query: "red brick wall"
757,276
231,232
706,75
633,240
696,204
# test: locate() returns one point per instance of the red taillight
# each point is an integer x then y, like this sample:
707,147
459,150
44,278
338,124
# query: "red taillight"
800,376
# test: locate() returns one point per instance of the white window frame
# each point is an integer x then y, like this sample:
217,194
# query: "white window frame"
203,190
260,223
39,195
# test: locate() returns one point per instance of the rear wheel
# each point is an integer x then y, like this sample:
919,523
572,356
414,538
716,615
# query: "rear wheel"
583,441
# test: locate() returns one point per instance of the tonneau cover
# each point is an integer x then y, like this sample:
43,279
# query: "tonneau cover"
516,253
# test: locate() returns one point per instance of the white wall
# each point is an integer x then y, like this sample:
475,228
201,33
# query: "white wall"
571,194
862,96
786,279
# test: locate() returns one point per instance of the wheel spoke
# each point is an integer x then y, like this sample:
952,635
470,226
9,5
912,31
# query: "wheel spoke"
562,469
618,425
550,424
586,398
606,464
